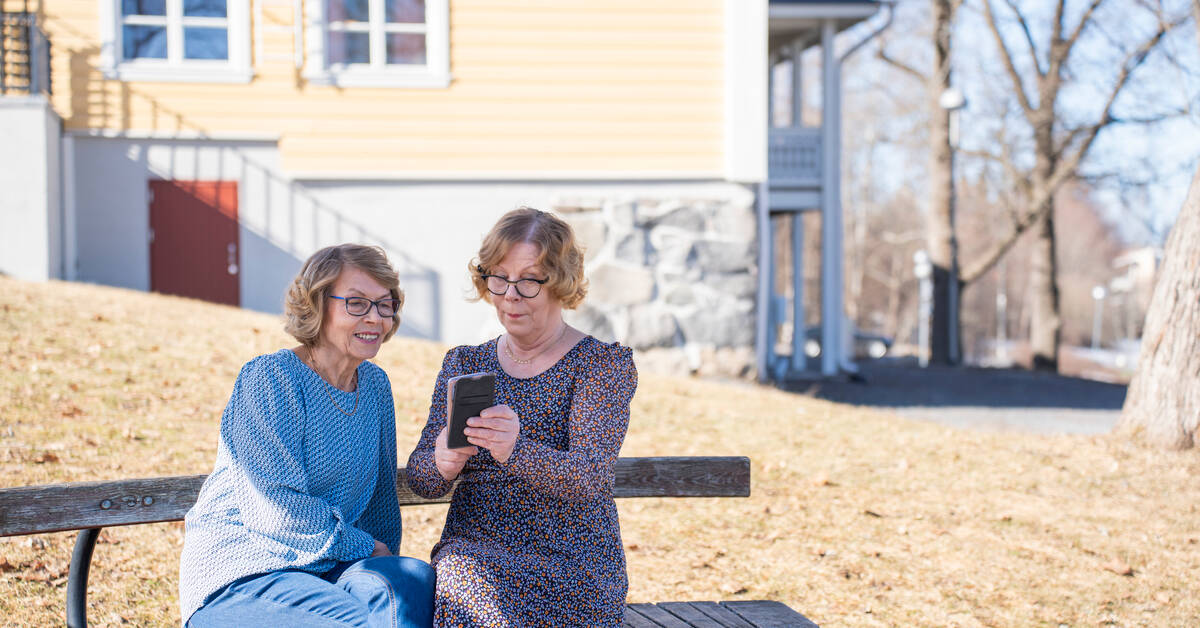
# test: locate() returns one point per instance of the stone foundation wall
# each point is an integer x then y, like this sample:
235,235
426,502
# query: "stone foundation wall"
674,278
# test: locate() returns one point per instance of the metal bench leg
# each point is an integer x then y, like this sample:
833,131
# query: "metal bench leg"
77,579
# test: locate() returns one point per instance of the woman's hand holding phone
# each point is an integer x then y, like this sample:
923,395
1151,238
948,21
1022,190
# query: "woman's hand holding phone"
495,429
450,462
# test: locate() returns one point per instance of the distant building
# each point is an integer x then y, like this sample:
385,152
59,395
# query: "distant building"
1132,287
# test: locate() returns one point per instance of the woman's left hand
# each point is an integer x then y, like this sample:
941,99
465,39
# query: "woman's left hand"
495,429
380,550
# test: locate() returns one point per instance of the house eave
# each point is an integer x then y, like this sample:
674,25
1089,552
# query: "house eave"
783,18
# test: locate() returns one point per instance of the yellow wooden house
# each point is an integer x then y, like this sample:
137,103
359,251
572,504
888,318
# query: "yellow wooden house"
206,147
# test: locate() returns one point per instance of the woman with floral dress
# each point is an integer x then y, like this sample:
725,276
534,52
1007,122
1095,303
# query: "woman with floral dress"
531,537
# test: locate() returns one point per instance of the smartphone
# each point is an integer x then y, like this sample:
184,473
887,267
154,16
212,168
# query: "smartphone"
466,396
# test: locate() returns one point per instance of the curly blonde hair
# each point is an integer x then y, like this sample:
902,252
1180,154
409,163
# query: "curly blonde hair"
559,254
304,304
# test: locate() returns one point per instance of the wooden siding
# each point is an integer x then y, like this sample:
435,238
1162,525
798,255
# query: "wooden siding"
539,86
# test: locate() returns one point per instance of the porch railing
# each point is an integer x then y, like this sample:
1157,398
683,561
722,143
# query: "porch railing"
794,157
24,55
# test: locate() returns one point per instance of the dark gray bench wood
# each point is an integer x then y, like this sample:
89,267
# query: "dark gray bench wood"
90,506
79,505
745,614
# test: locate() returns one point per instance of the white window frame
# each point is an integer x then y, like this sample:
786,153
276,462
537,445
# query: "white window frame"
434,73
175,68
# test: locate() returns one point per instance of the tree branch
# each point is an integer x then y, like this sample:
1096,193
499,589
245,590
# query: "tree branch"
904,67
984,262
1067,167
1009,67
1083,22
1037,64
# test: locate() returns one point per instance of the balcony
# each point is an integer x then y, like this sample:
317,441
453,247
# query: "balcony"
24,56
794,157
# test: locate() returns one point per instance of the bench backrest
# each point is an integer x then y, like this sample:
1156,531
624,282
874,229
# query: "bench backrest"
79,505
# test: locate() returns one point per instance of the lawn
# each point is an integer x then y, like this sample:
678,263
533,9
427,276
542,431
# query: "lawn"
857,517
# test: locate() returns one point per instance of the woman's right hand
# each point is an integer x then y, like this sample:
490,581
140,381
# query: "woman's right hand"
450,462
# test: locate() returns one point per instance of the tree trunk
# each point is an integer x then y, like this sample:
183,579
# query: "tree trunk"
1045,328
1163,402
939,229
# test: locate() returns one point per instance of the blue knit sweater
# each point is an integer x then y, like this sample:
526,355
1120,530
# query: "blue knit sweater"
297,483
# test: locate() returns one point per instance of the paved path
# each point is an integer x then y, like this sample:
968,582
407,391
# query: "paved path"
1004,399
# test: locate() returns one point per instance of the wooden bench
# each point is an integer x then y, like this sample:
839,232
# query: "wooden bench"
91,506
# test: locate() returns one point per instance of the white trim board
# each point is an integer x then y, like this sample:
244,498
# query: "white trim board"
746,86
823,10
188,136
508,176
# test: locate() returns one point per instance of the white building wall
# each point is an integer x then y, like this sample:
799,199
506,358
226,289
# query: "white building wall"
112,208
30,205
431,230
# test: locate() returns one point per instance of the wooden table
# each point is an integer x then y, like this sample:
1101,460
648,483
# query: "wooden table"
743,614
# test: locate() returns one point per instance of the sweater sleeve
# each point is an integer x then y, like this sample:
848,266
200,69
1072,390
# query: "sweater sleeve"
381,519
599,417
263,429
423,477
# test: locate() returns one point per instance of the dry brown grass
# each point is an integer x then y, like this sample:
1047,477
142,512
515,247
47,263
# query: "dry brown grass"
857,517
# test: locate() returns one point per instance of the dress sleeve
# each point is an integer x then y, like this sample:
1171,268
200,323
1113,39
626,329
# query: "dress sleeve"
423,477
381,519
263,429
599,416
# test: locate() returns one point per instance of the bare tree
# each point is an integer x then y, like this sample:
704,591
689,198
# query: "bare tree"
1037,160
939,225
1059,146
1163,402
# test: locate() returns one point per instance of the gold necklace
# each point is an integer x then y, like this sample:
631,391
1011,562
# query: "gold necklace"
313,360
512,357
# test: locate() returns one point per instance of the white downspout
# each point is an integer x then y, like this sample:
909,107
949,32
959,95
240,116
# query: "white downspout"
834,355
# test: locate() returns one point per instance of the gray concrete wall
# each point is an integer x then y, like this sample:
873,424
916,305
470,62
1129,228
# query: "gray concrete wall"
31,235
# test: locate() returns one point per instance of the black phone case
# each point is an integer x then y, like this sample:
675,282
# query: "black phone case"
472,393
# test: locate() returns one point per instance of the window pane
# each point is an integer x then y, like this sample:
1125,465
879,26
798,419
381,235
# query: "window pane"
348,11
205,43
204,8
410,11
144,7
349,47
144,42
406,48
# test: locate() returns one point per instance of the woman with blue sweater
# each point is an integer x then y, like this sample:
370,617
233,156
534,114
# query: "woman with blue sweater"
299,523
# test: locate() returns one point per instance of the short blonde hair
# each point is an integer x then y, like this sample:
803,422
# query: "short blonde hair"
559,254
304,304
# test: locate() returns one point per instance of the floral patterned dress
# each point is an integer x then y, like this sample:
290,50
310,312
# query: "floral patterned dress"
535,541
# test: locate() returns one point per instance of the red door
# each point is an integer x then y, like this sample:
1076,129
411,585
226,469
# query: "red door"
194,240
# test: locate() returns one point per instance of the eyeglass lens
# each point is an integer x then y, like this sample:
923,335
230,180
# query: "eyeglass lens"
527,288
359,306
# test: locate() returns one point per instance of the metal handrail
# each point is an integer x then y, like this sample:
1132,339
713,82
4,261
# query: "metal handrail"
24,55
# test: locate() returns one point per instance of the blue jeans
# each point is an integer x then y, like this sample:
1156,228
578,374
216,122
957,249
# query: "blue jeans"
380,592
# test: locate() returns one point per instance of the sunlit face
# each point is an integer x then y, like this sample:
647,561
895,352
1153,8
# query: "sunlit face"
358,337
520,316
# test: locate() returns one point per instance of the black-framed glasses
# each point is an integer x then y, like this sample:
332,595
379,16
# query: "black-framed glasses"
359,306
527,287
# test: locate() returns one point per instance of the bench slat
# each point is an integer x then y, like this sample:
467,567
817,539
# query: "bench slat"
721,614
634,619
768,613
77,505
656,615
692,616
